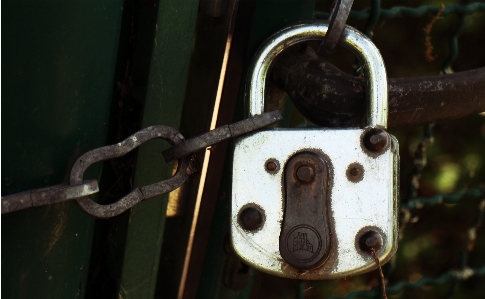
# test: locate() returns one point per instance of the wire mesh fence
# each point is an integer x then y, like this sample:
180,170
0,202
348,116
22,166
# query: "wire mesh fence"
440,227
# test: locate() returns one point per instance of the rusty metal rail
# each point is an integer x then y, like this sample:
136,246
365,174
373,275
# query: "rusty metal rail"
329,97
181,150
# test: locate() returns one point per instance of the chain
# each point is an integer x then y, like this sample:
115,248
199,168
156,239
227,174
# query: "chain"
336,24
48,195
181,150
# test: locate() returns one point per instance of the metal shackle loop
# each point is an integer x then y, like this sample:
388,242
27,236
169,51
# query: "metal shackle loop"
355,41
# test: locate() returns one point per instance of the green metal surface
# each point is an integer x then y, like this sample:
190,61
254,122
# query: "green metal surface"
57,80
270,16
174,36
201,91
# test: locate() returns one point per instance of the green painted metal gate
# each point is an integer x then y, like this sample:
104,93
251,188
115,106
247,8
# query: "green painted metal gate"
81,74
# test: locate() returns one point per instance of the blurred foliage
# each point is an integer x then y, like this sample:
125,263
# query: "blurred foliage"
435,239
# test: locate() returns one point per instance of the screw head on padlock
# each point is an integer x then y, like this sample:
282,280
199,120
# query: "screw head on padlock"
308,204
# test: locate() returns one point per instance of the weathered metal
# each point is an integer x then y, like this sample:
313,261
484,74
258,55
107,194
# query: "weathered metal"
251,218
371,201
355,172
331,98
370,240
180,150
47,196
220,134
271,166
355,41
353,206
305,230
138,194
336,24
375,141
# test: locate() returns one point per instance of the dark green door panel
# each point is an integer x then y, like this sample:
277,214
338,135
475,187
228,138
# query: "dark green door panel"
57,80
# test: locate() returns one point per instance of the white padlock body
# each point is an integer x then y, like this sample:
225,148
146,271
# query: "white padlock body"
371,203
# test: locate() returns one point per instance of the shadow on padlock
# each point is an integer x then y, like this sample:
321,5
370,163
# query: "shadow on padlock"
317,203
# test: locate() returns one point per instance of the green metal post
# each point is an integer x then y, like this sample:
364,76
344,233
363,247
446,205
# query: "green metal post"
58,65
174,36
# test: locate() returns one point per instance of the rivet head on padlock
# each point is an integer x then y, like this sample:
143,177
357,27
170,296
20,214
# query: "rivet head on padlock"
370,240
355,172
251,218
272,166
305,173
376,140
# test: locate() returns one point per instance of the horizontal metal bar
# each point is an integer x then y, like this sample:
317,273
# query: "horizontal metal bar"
47,196
331,98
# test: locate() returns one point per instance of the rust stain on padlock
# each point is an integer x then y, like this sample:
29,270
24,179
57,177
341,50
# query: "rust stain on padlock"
305,232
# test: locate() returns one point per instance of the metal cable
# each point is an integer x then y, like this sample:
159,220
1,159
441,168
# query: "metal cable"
403,11
459,275
420,202
453,43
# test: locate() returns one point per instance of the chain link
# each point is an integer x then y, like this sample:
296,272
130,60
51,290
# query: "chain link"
47,196
181,149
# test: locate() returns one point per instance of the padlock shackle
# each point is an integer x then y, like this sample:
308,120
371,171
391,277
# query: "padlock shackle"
355,41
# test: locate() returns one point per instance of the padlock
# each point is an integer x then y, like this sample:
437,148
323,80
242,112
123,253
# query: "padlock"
317,203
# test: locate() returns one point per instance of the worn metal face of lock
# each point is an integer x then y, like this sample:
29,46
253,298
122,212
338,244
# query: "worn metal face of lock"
312,204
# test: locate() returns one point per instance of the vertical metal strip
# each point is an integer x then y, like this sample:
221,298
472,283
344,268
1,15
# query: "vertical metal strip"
174,35
204,168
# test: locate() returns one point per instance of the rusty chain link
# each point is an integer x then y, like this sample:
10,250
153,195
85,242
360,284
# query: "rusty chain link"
181,149
336,24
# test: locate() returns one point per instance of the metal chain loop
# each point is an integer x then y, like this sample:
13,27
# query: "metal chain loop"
47,196
139,194
181,150
336,24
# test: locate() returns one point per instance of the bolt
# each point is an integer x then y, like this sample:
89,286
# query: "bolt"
305,173
370,240
375,140
250,218
271,166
